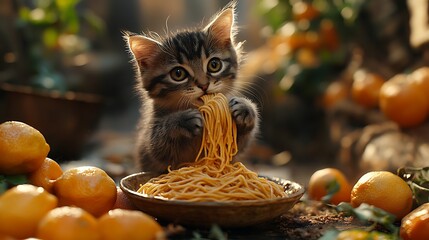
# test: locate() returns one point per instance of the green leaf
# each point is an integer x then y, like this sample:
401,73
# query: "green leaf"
3,187
331,188
65,5
196,236
6,181
24,13
3,184
370,214
16,179
216,233
94,21
418,180
72,24
50,37
44,3
330,235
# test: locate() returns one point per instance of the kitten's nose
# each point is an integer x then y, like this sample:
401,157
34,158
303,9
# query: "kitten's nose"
203,87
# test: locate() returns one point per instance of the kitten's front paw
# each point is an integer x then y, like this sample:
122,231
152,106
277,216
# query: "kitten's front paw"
192,122
243,112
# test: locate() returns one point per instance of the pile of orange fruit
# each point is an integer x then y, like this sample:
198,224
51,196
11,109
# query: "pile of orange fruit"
79,203
381,189
403,98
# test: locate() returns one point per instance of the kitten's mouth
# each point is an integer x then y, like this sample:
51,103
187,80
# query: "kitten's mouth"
198,102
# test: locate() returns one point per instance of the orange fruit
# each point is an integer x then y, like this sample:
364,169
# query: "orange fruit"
366,88
304,11
352,235
129,224
403,102
415,225
21,209
68,223
87,187
22,147
336,92
357,234
420,77
384,190
312,40
329,35
296,40
306,57
6,237
320,182
122,201
46,174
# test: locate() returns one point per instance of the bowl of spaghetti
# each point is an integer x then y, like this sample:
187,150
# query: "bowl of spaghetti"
213,189
230,214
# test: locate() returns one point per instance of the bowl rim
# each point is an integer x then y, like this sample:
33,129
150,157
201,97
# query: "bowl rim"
298,192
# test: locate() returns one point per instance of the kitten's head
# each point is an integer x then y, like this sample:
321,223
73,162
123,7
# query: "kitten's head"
178,69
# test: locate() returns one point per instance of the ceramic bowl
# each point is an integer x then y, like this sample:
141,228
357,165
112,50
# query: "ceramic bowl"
205,214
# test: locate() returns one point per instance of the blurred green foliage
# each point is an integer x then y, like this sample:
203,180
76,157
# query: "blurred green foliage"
51,30
278,12
317,54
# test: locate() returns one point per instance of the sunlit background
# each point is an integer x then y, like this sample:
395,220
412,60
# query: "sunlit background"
65,70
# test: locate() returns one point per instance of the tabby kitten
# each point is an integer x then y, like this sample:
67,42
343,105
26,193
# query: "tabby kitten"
172,74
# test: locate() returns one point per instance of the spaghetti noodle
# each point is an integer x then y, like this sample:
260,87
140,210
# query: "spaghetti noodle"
213,176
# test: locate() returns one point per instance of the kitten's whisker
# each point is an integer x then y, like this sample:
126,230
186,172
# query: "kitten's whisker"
250,78
182,103
256,91
166,31
246,87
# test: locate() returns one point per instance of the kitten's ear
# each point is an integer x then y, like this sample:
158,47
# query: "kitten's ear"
222,27
144,49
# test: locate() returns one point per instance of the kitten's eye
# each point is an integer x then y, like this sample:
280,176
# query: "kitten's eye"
178,74
215,65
